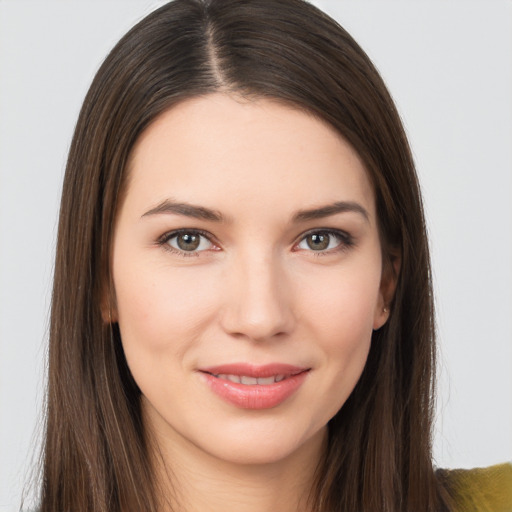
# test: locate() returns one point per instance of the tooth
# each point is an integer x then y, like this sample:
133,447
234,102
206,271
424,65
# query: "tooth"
225,376
279,378
233,378
265,381
248,380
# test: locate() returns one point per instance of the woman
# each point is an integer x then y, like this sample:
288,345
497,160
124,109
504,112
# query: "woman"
246,156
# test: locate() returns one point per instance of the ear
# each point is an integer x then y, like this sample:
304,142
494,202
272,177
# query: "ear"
388,282
108,306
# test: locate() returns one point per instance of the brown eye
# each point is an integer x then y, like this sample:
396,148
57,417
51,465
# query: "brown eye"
318,241
188,242
324,241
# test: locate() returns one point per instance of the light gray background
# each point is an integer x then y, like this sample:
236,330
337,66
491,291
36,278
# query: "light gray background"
449,67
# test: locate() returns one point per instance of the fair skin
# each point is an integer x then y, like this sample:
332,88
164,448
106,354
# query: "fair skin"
249,282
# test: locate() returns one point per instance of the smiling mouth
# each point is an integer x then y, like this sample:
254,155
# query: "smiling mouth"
254,375
249,386
252,381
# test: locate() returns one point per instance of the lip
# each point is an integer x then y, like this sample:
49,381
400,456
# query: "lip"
255,396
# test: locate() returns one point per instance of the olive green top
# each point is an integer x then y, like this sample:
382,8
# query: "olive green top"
481,489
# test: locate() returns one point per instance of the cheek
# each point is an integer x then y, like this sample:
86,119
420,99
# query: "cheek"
344,329
340,317
343,304
160,310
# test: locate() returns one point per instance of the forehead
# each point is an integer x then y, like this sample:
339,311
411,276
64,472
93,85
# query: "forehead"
253,153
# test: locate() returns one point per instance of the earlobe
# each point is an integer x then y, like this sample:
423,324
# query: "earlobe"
381,317
387,289
108,308
108,316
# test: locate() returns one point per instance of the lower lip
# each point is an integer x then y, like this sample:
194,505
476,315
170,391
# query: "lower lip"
255,396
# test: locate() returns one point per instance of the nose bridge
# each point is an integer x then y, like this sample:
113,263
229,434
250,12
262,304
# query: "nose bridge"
258,304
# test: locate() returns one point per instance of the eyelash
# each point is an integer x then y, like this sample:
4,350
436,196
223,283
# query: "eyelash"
346,241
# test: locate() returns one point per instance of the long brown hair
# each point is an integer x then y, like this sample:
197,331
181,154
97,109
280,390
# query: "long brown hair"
96,449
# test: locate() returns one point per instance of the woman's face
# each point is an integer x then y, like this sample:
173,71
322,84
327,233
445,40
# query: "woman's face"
248,276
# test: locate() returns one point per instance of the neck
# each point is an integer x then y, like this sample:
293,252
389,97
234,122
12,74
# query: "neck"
191,480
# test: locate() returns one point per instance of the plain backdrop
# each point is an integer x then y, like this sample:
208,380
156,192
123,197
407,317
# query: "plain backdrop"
449,67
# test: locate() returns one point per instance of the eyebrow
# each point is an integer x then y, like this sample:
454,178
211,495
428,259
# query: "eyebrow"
330,209
186,209
200,212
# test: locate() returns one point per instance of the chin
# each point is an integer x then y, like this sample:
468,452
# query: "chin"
260,447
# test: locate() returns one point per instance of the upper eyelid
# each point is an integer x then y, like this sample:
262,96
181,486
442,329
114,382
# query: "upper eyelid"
331,231
344,235
175,232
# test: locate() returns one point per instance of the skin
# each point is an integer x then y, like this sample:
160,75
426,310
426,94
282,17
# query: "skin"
253,291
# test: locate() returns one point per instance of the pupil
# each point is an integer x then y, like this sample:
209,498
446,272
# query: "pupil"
188,242
318,241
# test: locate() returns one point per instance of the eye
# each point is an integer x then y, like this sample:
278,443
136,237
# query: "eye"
186,242
325,241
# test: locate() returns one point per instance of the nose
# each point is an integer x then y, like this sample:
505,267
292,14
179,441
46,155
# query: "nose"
258,299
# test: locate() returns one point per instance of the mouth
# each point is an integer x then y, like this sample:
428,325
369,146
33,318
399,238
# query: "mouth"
251,375
254,387
250,381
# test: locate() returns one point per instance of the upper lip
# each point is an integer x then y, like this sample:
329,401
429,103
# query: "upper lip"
252,370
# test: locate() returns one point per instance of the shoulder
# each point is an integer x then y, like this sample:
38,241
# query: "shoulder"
480,489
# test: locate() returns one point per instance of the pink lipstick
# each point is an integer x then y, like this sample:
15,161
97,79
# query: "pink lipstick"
254,387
